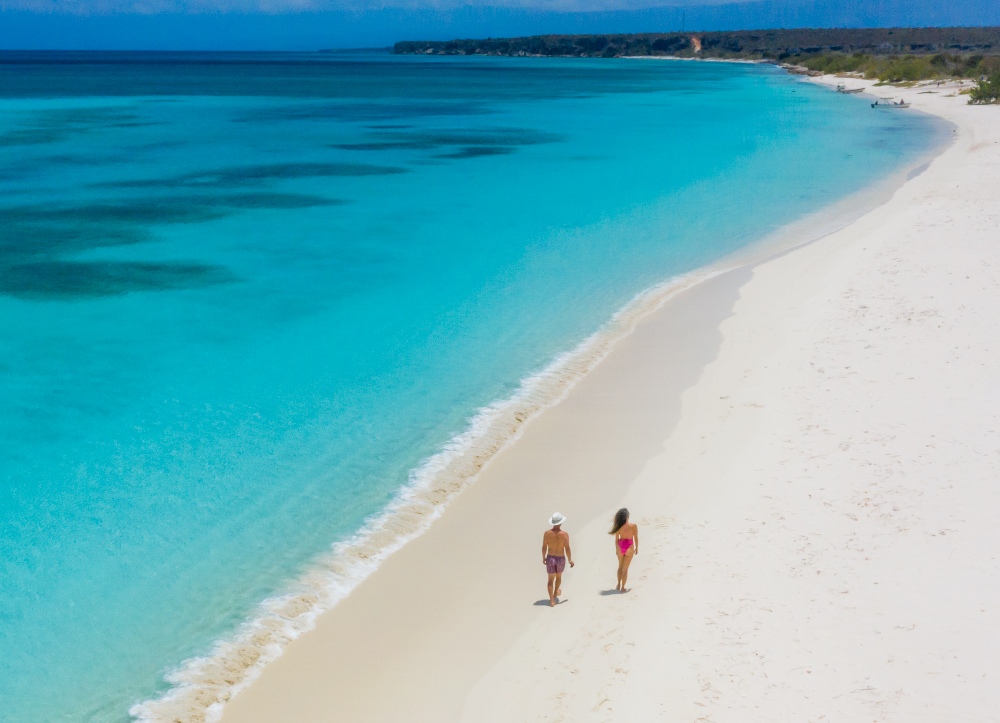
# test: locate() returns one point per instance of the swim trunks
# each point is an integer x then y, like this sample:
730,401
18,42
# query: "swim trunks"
555,565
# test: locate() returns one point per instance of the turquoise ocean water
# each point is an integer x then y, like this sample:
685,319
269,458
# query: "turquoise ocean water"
244,296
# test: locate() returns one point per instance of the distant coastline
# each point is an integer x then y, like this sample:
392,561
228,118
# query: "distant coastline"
888,54
774,45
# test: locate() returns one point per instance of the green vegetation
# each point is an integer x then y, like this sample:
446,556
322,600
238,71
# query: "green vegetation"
903,68
894,55
988,91
789,46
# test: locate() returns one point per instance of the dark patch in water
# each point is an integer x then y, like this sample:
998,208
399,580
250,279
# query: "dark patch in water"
155,210
277,200
383,145
90,279
140,211
359,112
280,171
21,241
33,238
66,159
239,175
35,230
478,151
31,137
52,126
134,124
470,143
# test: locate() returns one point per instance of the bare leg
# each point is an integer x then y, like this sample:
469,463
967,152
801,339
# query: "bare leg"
626,561
558,584
621,563
552,591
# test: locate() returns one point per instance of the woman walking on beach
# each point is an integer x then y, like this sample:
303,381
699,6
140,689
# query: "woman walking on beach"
626,545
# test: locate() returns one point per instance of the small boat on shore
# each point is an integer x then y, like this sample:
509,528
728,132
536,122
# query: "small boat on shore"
848,91
890,103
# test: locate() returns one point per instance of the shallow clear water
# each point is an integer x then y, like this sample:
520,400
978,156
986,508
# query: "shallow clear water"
242,296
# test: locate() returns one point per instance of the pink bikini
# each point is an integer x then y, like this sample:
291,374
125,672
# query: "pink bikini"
623,545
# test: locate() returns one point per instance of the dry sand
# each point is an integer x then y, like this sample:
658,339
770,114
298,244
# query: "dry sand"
813,473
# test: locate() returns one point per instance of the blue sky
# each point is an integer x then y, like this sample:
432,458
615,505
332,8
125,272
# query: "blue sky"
316,24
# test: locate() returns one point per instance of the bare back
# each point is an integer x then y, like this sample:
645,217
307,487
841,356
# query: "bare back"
628,531
555,543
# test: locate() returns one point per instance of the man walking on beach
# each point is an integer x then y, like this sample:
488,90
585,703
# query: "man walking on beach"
555,550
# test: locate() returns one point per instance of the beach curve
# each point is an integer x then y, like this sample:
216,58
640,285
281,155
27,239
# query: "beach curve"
491,432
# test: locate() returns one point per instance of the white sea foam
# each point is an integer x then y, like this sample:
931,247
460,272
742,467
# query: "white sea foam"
202,686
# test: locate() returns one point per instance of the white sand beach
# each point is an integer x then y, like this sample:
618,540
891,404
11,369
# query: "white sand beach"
809,445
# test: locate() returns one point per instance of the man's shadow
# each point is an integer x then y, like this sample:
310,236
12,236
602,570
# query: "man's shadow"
545,602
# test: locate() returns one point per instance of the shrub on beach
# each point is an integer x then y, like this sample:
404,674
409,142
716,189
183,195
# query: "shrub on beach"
905,68
988,91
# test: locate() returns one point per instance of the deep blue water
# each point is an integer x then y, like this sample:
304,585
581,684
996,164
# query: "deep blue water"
243,295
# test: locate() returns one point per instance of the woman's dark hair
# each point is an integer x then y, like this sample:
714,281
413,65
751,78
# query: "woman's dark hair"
621,517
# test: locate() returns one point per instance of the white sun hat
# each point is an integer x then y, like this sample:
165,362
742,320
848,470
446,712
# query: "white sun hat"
556,519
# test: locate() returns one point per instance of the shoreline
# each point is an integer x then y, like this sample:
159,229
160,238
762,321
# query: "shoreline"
707,298
496,427
433,486
821,519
